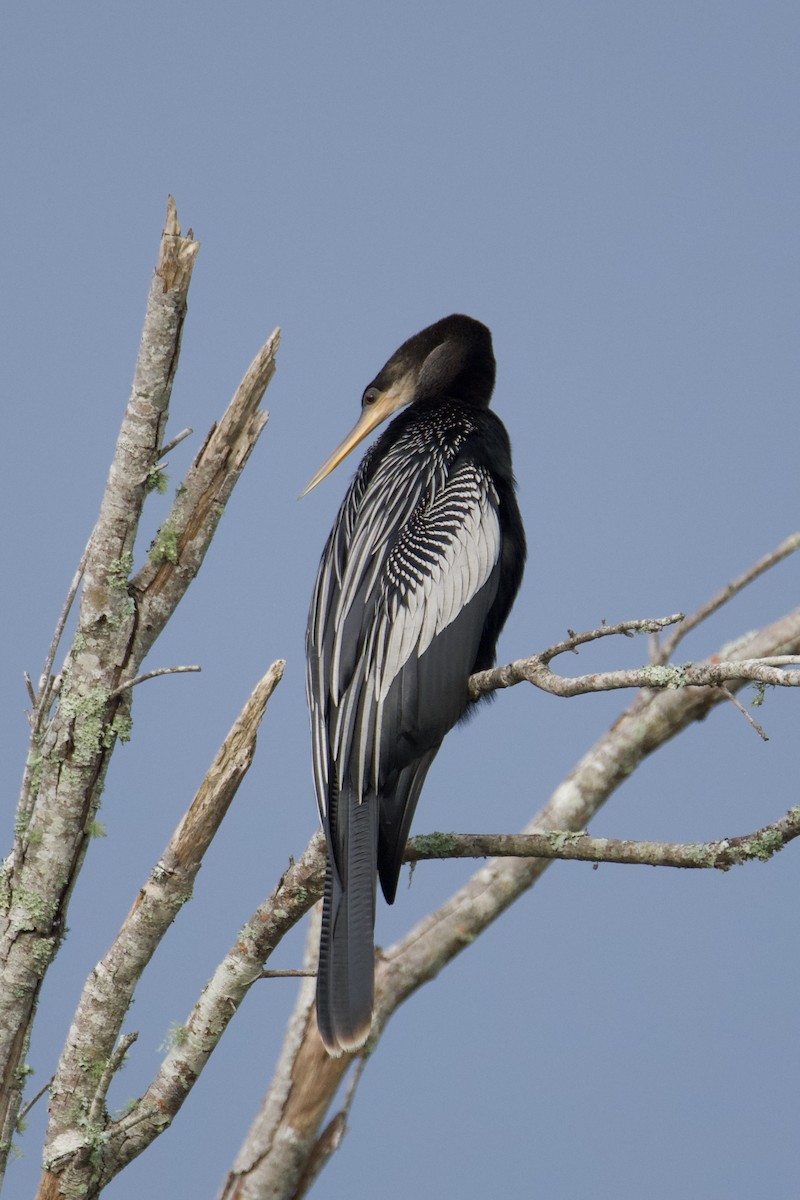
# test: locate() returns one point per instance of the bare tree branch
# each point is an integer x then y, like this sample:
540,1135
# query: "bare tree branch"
34,1100
737,704
566,845
118,621
78,1120
711,673
300,885
331,1137
131,683
176,441
182,541
41,705
115,1061
68,757
665,652
290,974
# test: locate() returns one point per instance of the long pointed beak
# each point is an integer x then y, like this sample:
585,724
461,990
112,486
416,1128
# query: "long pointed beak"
387,403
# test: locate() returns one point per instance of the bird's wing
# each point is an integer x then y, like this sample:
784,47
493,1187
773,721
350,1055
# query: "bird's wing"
406,580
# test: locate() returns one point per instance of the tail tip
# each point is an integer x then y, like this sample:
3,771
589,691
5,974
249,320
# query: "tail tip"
338,1041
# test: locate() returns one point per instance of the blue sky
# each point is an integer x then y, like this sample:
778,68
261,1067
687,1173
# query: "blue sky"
613,188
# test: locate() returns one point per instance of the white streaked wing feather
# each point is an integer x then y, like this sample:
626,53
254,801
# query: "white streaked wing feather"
464,526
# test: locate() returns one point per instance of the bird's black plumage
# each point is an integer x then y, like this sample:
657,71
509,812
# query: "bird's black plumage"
415,583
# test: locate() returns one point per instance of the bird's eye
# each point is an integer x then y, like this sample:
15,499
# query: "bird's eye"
370,396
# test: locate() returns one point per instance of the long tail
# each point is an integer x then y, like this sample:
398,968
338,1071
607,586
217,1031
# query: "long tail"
347,952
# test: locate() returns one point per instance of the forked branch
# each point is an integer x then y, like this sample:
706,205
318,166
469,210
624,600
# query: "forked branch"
714,673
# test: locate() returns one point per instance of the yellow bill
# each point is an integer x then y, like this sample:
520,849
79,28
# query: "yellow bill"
374,413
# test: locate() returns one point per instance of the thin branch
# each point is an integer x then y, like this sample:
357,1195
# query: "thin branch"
564,844
289,974
626,628
176,441
519,671
325,1146
153,475
34,1099
183,540
664,653
131,683
711,673
45,679
115,1061
737,704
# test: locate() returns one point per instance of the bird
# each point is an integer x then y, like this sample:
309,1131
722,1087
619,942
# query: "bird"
416,581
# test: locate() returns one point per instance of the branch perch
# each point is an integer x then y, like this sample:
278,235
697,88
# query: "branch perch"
566,845
787,547
711,673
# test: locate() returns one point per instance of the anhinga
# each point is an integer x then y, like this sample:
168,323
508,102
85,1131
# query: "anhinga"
415,583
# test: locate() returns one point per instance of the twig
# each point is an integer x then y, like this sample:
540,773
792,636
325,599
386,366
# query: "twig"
114,1063
736,702
45,682
131,683
162,463
626,628
528,668
787,547
176,441
289,974
24,1111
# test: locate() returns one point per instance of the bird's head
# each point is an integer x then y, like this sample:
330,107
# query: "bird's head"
451,359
